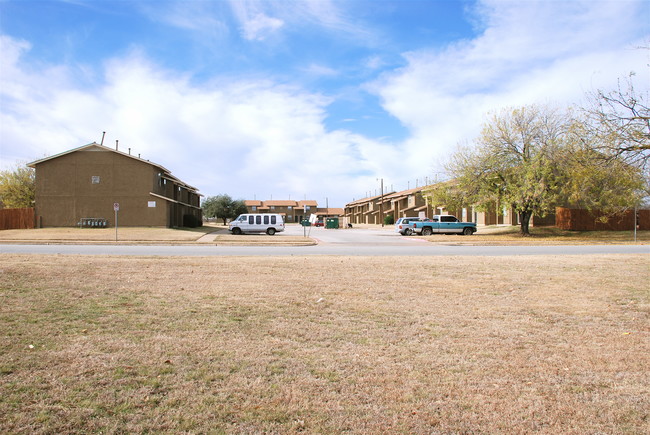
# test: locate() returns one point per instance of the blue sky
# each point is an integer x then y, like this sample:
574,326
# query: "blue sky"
299,98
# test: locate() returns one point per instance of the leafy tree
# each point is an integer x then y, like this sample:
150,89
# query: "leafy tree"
449,194
513,163
223,207
605,182
17,187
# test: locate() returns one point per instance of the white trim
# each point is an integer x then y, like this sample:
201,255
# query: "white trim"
173,200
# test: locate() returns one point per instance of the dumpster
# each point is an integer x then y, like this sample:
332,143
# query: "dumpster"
332,223
305,223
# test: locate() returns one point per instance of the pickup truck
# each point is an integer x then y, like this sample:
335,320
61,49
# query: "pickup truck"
444,224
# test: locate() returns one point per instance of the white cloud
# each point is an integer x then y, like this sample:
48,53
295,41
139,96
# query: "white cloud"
320,70
528,52
239,137
198,16
260,27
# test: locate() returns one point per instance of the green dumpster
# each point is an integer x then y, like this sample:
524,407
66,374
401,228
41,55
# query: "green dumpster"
305,223
332,223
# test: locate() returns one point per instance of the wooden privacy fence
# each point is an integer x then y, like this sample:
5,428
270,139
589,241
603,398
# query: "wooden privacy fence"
583,220
16,218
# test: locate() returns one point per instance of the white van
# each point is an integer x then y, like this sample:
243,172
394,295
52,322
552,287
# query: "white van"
268,223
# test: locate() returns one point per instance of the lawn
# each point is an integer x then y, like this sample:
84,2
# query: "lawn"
325,345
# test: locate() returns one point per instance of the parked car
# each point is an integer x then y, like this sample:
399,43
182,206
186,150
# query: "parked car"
257,223
404,225
319,223
443,224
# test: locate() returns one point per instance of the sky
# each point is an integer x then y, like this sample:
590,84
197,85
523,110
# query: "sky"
299,99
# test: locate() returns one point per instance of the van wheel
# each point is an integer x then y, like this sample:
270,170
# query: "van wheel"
236,231
467,231
270,231
427,231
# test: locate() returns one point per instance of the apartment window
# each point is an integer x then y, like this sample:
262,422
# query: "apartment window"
272,207
290,207
94,179
307,208
254,208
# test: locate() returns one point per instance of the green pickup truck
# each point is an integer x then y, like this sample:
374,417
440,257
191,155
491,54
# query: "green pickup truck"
443,224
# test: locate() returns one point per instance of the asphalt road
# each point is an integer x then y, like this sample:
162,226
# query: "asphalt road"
355,242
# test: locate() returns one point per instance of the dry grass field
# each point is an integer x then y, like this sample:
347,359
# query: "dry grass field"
131,234
325,345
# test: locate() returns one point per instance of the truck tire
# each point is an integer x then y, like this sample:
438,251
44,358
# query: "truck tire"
236,231
427,231
270,231
467,231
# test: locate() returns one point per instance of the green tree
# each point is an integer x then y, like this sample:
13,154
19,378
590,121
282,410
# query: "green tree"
598,179
513,163
223,207
17,187
450,195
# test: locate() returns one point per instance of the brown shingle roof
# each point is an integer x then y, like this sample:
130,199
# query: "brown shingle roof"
280,203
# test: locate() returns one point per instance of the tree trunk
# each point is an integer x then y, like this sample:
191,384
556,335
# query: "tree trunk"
524,218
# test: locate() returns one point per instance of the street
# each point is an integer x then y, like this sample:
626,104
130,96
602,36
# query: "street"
342,242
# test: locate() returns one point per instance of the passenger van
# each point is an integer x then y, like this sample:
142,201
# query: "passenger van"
268,223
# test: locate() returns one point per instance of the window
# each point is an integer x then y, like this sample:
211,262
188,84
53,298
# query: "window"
94,179
266,220
254,208
272,207
307,208
251,219
258,220
290,207
273,220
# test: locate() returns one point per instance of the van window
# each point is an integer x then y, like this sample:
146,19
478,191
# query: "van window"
251,220
266,220
258,220
273,220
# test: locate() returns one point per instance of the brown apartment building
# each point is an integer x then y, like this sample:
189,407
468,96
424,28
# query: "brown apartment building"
86,182
414,203
292,210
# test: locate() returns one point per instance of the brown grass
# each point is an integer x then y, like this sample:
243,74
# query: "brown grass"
132,234
325,345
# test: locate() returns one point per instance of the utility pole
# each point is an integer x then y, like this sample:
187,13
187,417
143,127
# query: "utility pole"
381,204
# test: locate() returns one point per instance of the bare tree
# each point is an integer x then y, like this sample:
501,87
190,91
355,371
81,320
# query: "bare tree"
619,123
